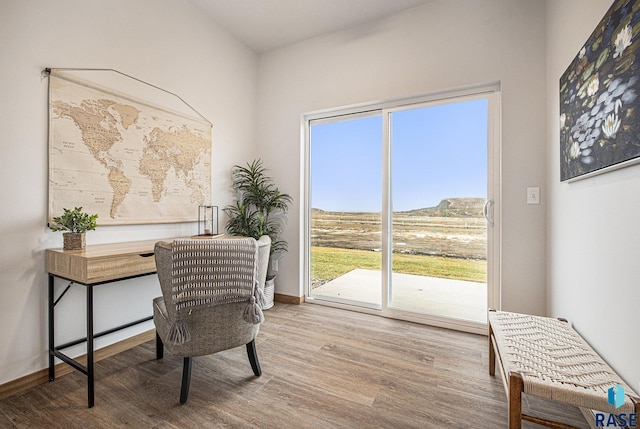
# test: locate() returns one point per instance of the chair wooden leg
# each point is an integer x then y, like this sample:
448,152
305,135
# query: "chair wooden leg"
159,347
253,358
186,379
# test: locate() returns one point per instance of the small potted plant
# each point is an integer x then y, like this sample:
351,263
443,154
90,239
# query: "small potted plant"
76,223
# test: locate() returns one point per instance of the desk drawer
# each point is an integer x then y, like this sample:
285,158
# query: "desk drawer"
94,269
115,267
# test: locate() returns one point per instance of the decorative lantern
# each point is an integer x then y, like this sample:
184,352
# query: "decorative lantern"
207,220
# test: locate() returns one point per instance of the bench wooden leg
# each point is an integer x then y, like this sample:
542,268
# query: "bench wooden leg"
492,352
515,401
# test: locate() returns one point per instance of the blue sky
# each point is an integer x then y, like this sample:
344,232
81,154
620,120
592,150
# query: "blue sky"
437,152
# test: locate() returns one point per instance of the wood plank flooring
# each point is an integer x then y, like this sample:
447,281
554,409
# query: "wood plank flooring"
322,368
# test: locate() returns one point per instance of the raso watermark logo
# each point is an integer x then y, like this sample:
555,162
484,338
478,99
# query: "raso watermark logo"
622,420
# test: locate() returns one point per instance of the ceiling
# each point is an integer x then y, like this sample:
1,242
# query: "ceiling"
264,25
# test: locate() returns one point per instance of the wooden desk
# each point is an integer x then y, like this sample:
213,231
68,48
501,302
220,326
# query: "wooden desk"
93,266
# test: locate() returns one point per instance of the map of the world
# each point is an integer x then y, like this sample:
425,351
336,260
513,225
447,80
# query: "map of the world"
129,160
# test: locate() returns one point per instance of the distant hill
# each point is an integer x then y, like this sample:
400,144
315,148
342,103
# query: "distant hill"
450,207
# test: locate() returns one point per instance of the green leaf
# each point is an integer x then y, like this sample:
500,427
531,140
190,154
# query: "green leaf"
74,221
260,207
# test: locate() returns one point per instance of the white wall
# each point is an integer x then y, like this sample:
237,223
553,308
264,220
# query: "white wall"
442,44
165,42
593,229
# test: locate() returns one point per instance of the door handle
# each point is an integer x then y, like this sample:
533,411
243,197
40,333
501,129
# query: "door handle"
487,211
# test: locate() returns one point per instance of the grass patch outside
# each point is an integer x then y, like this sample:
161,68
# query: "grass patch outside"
328,263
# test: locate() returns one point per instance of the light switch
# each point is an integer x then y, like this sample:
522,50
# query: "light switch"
533,195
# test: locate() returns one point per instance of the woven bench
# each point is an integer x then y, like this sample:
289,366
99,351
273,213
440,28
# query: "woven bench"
546,358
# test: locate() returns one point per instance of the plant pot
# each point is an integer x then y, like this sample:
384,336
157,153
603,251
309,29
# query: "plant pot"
269,291
74,240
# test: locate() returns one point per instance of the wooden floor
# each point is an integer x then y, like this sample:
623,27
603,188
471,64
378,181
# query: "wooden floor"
322,368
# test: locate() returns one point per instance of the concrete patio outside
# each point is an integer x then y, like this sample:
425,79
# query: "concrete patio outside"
456,299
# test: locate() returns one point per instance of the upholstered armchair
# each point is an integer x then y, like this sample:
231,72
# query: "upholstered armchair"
212,316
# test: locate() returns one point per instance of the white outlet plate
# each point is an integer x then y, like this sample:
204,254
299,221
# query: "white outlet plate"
533,195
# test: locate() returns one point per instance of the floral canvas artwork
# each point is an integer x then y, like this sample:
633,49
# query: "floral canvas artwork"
600,97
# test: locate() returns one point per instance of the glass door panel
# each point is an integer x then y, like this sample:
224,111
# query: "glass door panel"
438,190
345,219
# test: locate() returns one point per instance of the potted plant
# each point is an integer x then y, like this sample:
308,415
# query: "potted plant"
260,209
76,223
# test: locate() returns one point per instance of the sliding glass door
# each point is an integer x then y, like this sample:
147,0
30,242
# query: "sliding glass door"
438,191
402,207
345,200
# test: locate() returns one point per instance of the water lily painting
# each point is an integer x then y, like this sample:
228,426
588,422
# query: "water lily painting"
600,97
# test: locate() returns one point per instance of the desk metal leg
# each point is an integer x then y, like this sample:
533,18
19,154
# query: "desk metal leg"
52,368
55,351
90,363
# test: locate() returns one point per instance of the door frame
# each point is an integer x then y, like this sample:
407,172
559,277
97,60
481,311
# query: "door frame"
490,91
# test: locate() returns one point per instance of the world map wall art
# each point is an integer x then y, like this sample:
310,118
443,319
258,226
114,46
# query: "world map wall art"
600,98
125,150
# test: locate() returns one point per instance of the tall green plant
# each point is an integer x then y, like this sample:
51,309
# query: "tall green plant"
260,208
